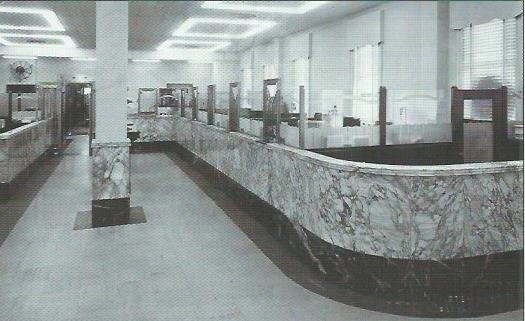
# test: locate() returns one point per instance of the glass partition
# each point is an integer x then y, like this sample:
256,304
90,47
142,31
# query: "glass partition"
234,107
185,95
147,100
24,105
202,103
272,111
289,130
221,109
168,102
412,118
337,120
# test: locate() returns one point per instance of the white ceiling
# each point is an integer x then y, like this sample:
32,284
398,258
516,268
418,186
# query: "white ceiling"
152,22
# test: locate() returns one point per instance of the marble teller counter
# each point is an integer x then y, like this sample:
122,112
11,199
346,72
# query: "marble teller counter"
21,146
447,237
151,128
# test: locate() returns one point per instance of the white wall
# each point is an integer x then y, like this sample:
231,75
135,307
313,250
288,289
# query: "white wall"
416,56
154,75
463,13
409,36
141,74
410,66
224,73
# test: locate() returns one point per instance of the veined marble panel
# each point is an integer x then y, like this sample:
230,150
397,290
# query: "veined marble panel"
410,212
152,128
110,170
21,146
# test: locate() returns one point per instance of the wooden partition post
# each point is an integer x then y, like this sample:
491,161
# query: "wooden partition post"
210,106
234,107
302,118
382,116
194,103
271,111
499,118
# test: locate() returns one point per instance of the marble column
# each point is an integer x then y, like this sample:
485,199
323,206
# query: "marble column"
110,148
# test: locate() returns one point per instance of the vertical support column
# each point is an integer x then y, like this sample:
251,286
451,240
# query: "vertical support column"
210,107
444,50
382,116
9,121
182,103
194,103
110,150
234,108
456,117
500,124
302,118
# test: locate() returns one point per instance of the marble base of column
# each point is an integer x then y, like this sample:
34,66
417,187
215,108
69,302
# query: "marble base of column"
110,183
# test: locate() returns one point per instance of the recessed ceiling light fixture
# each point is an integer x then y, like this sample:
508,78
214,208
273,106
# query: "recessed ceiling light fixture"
20,57
51,18
246,6
206,45
83,59
145,60
255,26
66,41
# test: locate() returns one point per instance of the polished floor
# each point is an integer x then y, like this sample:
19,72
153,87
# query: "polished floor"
188,262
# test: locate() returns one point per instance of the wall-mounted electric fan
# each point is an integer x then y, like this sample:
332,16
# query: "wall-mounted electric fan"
21,69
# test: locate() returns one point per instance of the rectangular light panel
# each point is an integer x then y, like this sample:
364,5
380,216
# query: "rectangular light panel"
212,45
51,18
145,60
255,26
83,59
246,6
66,40
20,57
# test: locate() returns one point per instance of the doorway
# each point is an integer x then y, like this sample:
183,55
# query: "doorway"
77,108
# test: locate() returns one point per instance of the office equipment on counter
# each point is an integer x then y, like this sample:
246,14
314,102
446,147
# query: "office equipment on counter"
351,122
335,117
256,114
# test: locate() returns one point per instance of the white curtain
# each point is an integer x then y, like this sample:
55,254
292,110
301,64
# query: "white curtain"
246,88
366,84
301,75
489,61
269,71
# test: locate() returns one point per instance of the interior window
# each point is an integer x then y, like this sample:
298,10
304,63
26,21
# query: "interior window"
301,75
366,84
246,88
489,61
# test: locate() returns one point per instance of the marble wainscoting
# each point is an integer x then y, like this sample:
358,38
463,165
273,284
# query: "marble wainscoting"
152,128
21,147
444,236
111,186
